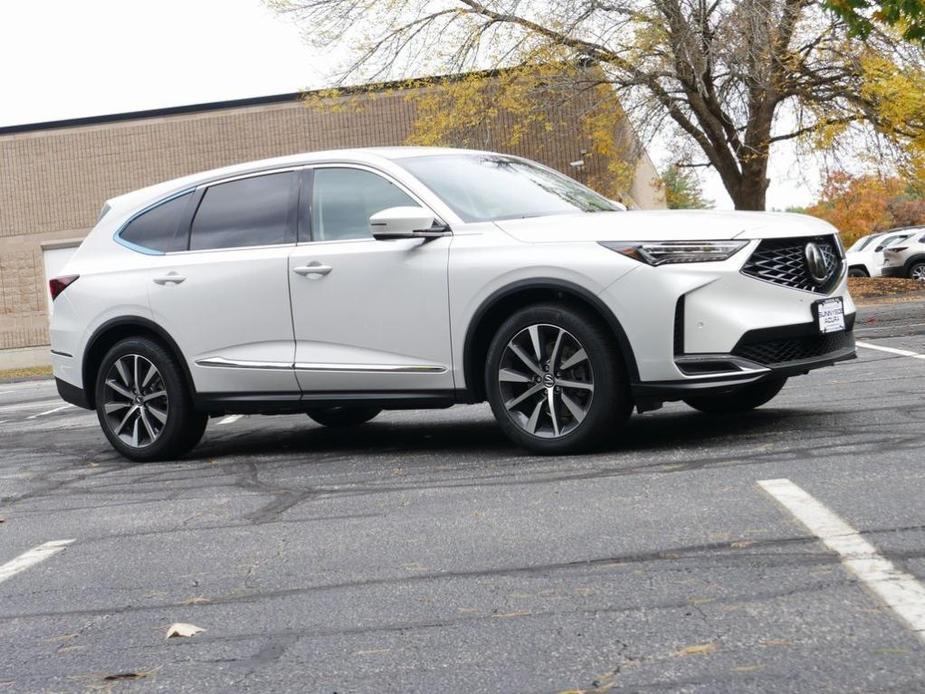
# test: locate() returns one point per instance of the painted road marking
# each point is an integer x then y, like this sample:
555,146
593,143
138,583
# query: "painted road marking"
231,419
57,409
31,558
901,592
30,405
891,350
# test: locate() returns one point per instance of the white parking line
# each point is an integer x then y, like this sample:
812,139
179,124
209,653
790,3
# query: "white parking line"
57,409
31,558
891,350
231,419
901,592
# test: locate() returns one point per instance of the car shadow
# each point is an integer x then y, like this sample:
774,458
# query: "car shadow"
481,437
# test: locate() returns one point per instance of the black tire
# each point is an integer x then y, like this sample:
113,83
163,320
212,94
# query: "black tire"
602,413
917,272
742,399
858,272
339,417
182,427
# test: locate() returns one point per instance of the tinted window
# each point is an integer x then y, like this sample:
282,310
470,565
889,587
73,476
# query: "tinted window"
485,187
254,211
343,200
158,228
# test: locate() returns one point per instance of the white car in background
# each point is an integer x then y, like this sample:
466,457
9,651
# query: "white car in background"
906,258
339,284
865,256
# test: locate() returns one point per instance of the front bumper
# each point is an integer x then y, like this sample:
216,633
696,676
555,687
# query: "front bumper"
759,355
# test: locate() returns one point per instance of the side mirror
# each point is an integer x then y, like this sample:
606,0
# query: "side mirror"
405,223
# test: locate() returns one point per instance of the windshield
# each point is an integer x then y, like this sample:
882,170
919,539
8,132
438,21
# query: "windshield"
863,242
490,187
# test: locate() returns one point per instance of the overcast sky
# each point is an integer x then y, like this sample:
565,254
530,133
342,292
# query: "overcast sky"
68,59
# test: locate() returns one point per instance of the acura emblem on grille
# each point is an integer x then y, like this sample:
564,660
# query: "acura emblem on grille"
815,263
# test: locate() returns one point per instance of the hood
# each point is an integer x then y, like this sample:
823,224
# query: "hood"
664,225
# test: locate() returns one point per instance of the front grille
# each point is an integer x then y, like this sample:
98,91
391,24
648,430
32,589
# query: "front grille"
787,349
784,262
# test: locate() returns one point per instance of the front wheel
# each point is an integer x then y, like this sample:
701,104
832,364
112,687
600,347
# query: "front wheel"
143,403
555,380
857,272
917,272
741,399
339,417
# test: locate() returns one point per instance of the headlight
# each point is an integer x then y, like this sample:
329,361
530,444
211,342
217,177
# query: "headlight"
665,252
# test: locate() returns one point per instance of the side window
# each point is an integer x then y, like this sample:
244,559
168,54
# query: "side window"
343,200
255,211
159,228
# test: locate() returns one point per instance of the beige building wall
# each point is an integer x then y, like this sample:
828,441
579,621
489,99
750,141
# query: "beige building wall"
56,178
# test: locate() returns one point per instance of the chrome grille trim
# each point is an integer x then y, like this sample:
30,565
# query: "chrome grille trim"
783,262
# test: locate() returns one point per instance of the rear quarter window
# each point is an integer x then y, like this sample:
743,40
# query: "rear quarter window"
158,229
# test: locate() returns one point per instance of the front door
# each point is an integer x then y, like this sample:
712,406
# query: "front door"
369,316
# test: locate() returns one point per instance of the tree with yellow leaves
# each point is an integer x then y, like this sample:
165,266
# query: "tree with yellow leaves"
729,78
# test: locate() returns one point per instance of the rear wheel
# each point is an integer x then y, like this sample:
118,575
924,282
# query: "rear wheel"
337,417
555,380
143,403
741,399
917,272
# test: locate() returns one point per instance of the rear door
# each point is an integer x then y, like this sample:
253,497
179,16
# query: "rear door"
225,300
373,317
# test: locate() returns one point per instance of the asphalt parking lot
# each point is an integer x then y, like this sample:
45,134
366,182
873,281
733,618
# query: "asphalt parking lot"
423,553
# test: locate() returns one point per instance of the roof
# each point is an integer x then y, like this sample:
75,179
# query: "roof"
366,155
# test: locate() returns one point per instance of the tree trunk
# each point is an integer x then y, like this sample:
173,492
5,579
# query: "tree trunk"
752,192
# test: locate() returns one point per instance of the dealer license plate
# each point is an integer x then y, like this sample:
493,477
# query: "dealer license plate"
831,315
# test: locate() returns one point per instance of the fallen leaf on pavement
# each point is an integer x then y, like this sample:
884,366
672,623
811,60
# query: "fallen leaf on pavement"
699,649
183,630
197,600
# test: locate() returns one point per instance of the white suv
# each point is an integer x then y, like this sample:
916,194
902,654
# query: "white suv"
865,256
907,258
339,284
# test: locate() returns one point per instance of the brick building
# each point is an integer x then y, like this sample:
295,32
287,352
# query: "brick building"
56,176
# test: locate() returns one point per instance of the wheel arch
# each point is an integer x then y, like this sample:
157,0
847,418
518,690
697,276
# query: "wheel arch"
116,329
500,304
914,260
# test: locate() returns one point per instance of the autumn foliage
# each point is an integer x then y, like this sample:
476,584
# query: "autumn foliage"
859,205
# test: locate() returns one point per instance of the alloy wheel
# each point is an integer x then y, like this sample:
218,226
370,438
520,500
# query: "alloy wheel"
918,272
136,404
546,381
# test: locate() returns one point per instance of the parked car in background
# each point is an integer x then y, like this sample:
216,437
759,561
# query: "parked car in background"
865,256
339,284
906,258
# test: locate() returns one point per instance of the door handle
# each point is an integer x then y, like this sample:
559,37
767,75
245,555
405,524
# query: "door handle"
169,278
314,270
